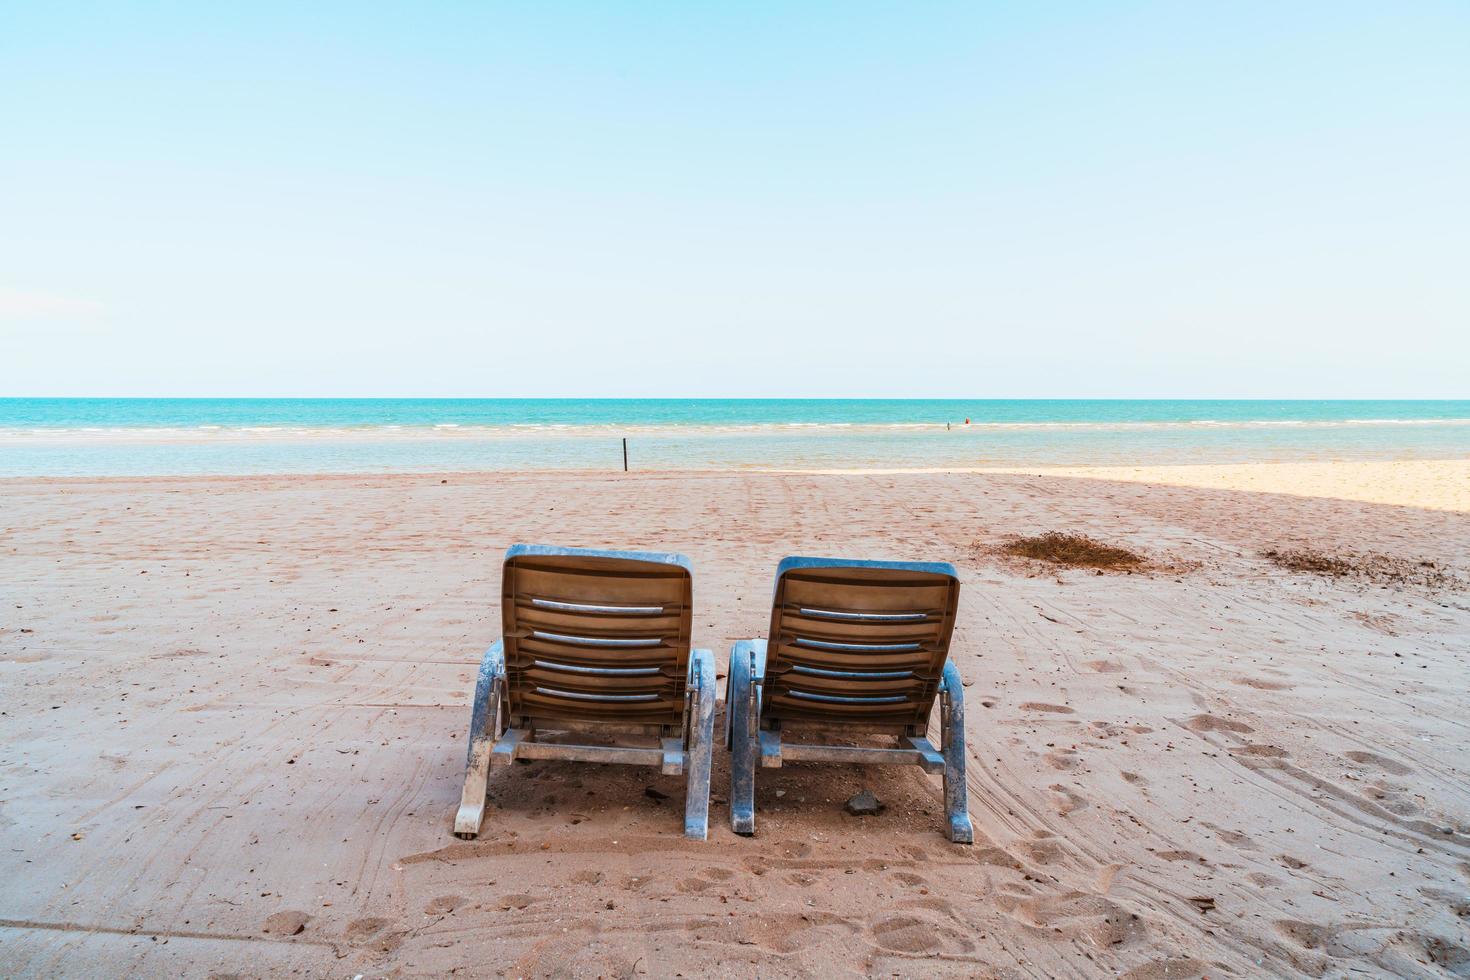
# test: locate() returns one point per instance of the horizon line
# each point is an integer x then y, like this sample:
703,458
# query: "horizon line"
746,398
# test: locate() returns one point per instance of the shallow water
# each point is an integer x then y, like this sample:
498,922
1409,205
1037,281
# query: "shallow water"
75,437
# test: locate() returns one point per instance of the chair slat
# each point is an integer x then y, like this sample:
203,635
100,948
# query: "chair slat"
861,644
596,637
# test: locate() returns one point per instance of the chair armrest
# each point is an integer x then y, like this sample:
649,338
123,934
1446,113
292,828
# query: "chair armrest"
492,674
697,656
758,649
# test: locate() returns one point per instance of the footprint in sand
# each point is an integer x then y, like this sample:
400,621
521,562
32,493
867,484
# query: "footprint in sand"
1012,892
1080,916
1069,801
802,880
1214,723
931,904
1379,762
361,930
1307,935
910,879
915,933
1456,903
1104,666
1041,852
1056,709
1173,968
1392,801
995,856
756,865
588,877
689,885
1133,777
1063,760
1261,684
375,934
786,932
1260,751
1232,837
510,902
443,905
1106,875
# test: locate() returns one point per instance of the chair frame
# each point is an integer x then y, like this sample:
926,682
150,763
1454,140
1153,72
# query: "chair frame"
756,742
497,739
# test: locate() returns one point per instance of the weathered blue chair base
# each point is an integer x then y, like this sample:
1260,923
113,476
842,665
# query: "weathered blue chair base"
494,744
486,723
752,746
742,714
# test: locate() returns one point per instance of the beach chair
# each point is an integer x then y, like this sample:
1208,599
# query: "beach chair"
593,642
859,648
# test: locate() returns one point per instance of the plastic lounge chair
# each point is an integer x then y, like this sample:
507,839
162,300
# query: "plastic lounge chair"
594,641
857,647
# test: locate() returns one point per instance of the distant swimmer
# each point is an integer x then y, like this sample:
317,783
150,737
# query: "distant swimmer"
967,421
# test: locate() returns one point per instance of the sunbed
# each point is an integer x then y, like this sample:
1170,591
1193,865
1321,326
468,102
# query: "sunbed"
858,649
595,643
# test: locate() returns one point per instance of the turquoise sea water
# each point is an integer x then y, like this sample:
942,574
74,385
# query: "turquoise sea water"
107,436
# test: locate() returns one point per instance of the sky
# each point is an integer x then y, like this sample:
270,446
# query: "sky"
1129,199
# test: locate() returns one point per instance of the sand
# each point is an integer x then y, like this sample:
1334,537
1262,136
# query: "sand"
1438,484
233,715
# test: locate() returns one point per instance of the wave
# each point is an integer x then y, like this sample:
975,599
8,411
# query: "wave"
534,430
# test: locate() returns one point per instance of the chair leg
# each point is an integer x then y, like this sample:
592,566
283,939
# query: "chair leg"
729,715
700,753
952,721
484,725
743,746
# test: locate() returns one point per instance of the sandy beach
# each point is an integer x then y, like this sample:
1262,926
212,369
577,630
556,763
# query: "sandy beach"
233,713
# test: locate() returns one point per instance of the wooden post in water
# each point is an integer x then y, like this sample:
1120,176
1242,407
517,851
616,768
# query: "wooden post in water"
625,454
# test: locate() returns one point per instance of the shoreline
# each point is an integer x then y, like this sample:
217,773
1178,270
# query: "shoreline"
1431,484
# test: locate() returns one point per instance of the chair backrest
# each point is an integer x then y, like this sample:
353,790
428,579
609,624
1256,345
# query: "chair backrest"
859,644
596,636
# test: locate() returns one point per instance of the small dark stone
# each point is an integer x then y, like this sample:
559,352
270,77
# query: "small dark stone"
865,804
654,794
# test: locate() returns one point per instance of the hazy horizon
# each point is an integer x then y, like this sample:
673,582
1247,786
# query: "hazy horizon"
1011,201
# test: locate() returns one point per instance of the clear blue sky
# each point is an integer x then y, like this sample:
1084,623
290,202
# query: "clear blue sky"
969,199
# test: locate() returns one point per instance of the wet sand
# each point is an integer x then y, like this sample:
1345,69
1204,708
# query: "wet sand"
233,714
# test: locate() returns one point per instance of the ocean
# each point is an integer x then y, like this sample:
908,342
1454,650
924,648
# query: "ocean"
168,436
